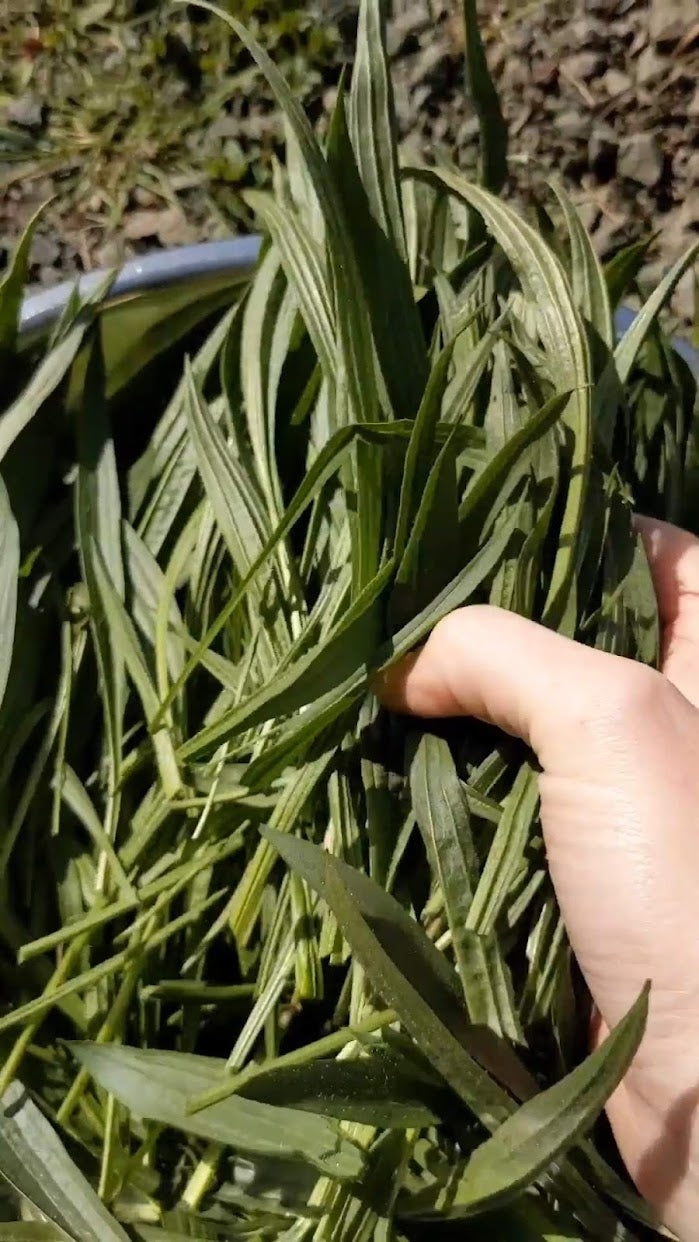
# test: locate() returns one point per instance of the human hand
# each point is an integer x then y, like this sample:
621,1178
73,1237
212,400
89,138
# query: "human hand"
618,745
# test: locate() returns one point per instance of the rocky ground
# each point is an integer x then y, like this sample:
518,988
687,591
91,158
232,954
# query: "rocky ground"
603,93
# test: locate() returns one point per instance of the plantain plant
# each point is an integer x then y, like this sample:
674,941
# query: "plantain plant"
277,965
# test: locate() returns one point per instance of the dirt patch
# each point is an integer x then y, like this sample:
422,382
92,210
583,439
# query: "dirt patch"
603,93
142,121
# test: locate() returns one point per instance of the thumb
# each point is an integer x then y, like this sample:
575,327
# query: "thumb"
529,681
618,745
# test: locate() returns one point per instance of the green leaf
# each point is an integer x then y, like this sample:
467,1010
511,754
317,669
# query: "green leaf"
433,552
459,397
157,1085
37,1166
304,266
75,796
627,350
506,852
373,123
158,482
481,88
9,570
269,308
31,1231
487,490
546,290
44,381
237,506
383,1089
353,335
326,464
97,520
609,389
330,706
442,812
125,644
545,1127
12,286
398,338
136,330
503,416
588,283
148,583
621,271
418,453
407,972
348,647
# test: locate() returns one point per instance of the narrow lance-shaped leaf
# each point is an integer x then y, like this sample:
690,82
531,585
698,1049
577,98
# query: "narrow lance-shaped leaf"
616,374
253,355
350,644
373,123
125,644
506,852
412,975
9,569
504,416
145,476
12,286
382,1089
434,551
326,464
587,277
238,508
98,526
629,345
621,271
36,1164
546,290
44,381
441,809
417,457
480,86
396,329
305,270
485,492
352,325
545,1127
157,1085
331,705
148,583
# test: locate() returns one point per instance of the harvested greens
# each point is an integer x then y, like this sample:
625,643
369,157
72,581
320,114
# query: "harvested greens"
275,964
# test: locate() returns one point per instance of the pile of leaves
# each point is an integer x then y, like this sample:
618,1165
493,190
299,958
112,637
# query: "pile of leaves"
277,965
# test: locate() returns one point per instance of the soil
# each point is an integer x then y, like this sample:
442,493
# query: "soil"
601,93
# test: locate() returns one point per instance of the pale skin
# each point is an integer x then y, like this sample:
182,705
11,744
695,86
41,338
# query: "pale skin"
618,746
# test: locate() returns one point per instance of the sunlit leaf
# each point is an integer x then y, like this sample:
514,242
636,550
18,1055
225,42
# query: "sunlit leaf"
157,1085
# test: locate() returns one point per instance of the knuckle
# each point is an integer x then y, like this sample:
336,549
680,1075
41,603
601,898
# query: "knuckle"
448,628
451,628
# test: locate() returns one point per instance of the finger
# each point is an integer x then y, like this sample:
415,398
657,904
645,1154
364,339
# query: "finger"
673,556
501,668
